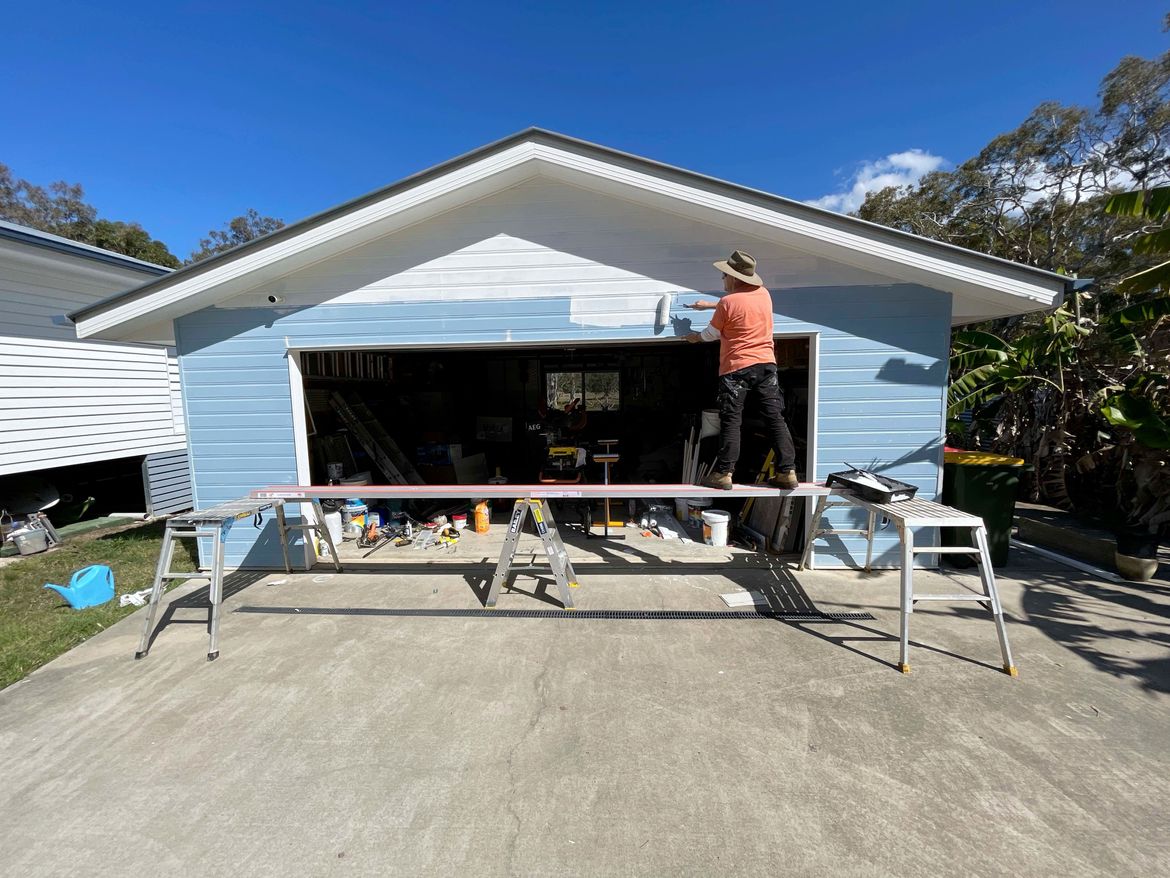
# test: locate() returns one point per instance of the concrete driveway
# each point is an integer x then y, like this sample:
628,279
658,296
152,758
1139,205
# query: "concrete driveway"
398,740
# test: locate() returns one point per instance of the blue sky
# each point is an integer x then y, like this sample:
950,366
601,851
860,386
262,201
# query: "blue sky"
183,115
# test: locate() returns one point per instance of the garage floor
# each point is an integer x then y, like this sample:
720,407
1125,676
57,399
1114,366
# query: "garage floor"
383,742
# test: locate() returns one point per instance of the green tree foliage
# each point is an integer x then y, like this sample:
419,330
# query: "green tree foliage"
61,209
1081,393
236,232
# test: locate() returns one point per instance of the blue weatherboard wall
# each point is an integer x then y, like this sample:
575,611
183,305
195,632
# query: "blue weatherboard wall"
883,363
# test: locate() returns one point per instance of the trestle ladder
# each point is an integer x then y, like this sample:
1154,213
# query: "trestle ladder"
215,523
554,547
907,515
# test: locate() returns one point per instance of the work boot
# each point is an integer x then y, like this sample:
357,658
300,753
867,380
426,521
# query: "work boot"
722,481
786,479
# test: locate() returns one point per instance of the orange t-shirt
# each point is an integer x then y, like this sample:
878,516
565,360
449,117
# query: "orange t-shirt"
744,321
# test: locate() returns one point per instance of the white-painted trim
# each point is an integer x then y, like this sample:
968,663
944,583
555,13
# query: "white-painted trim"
296,386
301,429
968,274
504,343
959,266
814,417
376,220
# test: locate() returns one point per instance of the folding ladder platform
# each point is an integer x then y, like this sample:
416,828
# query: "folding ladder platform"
554,547
215,523
907,515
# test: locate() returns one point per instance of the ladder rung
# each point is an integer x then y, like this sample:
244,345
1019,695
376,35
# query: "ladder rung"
824,533
186,576
981,598
946,550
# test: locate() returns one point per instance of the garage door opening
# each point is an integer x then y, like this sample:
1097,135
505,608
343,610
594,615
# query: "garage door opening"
462,416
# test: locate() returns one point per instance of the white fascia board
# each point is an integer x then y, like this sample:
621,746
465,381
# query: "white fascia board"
956,273
1010,290
319,242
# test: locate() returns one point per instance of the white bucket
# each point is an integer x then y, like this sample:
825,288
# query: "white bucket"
695,510
715,523
362,478
333,523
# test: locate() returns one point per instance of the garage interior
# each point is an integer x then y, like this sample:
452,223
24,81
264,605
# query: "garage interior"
464,416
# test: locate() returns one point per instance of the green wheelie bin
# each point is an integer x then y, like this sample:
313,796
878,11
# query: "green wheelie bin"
984,485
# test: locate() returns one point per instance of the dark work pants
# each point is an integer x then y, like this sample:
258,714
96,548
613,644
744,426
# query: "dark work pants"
733,391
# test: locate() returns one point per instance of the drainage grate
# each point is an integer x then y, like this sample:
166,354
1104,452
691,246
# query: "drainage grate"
636,615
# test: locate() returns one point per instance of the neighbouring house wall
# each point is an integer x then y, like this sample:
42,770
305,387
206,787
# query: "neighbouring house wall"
65,401
880,400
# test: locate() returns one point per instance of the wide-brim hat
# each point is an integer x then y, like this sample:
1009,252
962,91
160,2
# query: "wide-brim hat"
741,266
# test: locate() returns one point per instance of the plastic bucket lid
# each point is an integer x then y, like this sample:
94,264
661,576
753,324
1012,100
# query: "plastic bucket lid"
716,516
700,502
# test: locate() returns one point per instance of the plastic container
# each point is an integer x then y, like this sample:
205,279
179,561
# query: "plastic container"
984,485
695,510
333,524
715,526
681,511
483,518
459,520
30,540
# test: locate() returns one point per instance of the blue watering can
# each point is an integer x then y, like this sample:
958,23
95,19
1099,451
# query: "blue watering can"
89,587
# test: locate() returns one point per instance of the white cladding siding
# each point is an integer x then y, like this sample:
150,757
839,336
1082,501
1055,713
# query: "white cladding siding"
65,401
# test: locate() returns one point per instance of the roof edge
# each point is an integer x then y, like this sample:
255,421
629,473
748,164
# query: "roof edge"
552,138
45,240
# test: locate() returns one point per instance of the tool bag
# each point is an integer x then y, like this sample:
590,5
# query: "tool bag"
871,486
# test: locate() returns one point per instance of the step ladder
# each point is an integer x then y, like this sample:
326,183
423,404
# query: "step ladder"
215,523
379,444
554,547
907,515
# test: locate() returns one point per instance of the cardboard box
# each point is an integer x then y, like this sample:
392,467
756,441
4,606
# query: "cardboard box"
464,471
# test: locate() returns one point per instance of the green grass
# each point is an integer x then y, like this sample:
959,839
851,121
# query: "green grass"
37,625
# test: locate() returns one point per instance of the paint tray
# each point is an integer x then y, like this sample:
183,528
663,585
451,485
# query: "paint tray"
871,486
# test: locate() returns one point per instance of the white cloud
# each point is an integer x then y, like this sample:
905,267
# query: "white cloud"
896,169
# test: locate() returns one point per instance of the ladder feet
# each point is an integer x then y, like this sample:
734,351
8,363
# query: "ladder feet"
904,667
1011,671
212,656
140,655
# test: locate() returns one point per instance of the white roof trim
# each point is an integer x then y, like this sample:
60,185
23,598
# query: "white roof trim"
1013,288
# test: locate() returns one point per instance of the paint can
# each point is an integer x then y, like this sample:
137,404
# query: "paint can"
695,510
357,514
715,525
